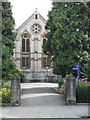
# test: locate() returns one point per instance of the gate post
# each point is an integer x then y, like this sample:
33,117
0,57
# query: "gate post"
15,90
70,90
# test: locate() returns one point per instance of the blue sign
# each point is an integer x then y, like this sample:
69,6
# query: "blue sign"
78,69
75,68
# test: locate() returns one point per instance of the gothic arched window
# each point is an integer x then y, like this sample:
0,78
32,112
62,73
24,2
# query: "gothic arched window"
25,51
25,43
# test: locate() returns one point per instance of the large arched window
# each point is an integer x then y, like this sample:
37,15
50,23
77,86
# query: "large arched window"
25,43
25,51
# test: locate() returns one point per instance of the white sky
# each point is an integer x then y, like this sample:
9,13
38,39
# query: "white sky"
23,9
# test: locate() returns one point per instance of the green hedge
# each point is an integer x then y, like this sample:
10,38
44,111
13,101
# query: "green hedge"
83,92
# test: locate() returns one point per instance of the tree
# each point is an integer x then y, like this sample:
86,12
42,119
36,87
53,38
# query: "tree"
68,40
8,37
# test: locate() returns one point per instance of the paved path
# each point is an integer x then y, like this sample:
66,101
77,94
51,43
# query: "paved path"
41,100
38,94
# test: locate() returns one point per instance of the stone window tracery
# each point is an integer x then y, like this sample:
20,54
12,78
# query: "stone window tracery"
25,43
36,28
25,54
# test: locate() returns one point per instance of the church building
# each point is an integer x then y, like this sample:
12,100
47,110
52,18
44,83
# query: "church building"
29,57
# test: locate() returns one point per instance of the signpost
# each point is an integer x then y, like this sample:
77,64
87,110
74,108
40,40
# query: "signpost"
78,69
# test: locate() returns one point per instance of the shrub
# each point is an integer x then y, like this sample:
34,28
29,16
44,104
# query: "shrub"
6,95
61,87
6,84
15,70
5,92
60,82
82,93
11,73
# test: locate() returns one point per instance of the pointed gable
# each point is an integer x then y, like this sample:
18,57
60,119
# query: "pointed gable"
36,15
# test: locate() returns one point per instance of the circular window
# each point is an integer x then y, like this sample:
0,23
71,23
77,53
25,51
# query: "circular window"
36,28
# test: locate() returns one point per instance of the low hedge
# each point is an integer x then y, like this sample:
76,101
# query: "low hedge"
82,92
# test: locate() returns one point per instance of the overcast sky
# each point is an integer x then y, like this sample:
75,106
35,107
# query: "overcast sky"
23,9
